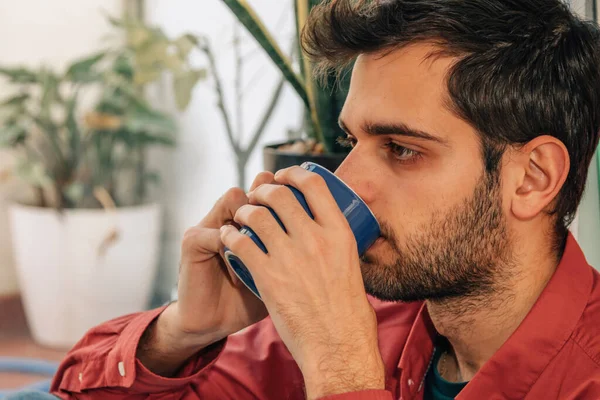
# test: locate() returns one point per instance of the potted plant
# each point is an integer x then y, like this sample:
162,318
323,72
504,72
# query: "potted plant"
86,251
323,103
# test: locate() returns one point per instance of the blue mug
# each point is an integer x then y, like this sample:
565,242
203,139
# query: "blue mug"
363,223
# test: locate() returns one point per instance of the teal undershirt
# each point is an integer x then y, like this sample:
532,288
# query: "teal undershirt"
436,387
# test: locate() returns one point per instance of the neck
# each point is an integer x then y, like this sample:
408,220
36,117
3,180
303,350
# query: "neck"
477,327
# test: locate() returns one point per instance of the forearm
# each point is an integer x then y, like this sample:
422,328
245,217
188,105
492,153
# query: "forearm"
164,349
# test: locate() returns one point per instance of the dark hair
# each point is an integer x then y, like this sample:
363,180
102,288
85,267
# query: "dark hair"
524,68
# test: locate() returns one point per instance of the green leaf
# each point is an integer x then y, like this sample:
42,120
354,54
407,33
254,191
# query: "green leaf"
49,128
183,85
138,35
152,177
123,67
50,94
248,17
20,75
112,102
175,63
12,135
82,70
16,100
146,75
185,44
153,54
144,120
73,132
117,23
75,192
302,11
33,173
145,139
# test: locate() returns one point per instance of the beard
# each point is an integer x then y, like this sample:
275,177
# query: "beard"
462,253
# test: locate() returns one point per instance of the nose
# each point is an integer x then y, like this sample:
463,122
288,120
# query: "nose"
357,176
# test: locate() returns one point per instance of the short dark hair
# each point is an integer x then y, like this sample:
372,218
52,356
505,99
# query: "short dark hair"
524,68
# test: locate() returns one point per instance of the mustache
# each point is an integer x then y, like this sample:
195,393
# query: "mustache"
388,234
386,231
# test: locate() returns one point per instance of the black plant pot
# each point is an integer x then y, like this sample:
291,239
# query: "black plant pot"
274,160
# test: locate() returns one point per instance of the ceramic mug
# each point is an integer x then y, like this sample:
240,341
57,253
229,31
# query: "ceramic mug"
363,223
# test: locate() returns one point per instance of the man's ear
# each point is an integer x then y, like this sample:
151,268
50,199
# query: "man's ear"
542,167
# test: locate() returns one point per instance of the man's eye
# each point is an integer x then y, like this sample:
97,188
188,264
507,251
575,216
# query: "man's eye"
346,141
399,153
403,154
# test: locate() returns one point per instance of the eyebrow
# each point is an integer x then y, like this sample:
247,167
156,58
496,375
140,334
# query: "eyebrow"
376,129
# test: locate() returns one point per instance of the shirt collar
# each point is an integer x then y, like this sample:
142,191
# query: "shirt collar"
519,362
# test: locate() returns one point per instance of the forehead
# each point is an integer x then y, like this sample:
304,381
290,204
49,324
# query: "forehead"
407,85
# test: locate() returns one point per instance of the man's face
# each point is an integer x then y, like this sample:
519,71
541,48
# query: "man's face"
420,169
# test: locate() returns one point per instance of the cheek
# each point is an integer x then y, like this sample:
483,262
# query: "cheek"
416,197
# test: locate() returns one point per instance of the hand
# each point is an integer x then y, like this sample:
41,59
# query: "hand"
212,303
311,283
211,297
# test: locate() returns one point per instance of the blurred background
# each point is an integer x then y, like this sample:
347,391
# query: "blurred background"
121,123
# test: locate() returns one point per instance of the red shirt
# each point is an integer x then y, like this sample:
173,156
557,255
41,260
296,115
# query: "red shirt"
553,354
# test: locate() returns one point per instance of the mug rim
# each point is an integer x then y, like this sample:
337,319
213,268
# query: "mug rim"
347,187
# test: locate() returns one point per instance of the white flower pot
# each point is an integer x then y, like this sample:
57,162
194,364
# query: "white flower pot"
75,273
9,286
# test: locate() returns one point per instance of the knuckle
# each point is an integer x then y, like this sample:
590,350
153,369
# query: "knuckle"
285,171
189,237
264,176
250,214
314,180
190,233
257,215
279,193
240,213
234,195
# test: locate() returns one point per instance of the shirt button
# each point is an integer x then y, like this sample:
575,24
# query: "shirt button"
80,377
121,366
410,382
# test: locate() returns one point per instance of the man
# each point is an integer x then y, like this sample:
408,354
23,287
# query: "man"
473,123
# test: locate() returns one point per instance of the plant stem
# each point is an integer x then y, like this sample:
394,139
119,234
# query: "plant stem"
141,182
205,47
41,199
239,117
266,116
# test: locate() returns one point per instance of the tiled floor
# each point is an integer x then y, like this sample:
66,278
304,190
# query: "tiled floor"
15,341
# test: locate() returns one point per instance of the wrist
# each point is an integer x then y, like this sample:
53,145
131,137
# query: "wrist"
164,347
179,338
338,374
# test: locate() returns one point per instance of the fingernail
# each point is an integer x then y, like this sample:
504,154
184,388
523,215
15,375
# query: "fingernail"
224,228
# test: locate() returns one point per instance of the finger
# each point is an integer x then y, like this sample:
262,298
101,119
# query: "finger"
224,209
262,222
320,200
244,248
261,179
201,241
287,207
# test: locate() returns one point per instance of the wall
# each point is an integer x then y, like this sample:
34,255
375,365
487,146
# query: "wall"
49,32
202,166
